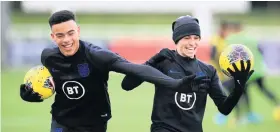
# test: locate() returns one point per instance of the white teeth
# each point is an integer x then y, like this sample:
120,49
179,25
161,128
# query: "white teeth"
68,45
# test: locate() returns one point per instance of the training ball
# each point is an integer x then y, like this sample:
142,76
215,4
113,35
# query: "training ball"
40,80
234,53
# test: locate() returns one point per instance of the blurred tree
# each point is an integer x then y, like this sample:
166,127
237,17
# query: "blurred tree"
16,6
5,22
265,6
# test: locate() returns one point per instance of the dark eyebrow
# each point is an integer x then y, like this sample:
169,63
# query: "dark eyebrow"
57,34
63,33
71,31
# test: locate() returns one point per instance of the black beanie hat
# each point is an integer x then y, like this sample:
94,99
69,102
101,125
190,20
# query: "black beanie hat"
183,26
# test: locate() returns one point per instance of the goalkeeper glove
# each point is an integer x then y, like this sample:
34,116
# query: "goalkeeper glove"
27,94
241,76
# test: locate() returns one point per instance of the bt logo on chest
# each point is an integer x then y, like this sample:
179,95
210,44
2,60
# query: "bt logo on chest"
185,101
73,89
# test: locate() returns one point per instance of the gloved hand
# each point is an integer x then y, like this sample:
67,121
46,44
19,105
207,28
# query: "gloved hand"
241,76
201,84
193,83
162,55
27,94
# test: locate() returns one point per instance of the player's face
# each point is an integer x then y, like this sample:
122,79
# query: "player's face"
66,35
187,46
226,31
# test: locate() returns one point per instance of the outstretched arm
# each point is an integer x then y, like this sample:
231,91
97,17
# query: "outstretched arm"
109,61
113,62
130,82
152,75
136,74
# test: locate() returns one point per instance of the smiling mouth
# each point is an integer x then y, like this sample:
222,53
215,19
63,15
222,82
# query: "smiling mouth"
67,46
190,49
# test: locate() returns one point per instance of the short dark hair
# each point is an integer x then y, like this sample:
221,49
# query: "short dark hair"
61,16
237,25
225,24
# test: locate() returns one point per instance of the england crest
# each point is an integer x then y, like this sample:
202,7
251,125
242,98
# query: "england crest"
83,69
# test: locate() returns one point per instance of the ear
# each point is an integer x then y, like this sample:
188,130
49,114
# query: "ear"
79,30
52,36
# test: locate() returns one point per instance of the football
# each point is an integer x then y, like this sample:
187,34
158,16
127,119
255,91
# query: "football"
40,80
234,53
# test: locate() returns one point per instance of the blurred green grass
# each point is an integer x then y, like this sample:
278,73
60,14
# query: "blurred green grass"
253,18
131,110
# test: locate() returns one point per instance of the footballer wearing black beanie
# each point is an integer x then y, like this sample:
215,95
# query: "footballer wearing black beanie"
184,26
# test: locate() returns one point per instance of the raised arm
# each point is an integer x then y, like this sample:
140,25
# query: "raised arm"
224,103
